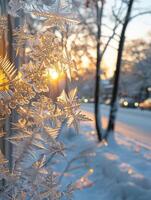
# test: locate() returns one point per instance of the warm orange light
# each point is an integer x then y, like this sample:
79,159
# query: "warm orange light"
91,171
19,76
4,82
53,74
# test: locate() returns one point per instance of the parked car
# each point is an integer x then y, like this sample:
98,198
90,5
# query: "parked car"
91,100
146,104
84,100
128,103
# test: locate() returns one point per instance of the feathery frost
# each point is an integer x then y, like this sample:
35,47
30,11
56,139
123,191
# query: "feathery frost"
35,90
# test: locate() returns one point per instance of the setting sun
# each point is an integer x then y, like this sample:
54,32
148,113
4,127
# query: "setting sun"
53,74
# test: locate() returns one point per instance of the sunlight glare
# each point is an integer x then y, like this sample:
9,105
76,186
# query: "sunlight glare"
53,74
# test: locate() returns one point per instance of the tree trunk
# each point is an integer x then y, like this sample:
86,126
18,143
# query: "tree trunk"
98,62
113,109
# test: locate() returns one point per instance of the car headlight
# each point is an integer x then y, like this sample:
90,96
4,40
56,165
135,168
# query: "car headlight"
85,100
125,103
136,104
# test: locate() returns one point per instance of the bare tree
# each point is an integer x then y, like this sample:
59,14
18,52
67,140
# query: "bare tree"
94,25
128,18
113,110
99,9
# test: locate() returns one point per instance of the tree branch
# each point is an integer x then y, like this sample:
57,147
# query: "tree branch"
141,13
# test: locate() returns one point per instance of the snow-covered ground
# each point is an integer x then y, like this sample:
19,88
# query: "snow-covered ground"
132,123
120,170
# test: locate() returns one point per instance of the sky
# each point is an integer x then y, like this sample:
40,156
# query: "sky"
140,26
137,28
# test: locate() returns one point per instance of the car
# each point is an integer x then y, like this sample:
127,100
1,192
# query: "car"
83,100
146,104
91,100
128,103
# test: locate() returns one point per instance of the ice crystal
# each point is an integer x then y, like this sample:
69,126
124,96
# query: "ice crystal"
41,104
3,25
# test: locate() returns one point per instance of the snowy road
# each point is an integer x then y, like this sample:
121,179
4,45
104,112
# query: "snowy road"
133,123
